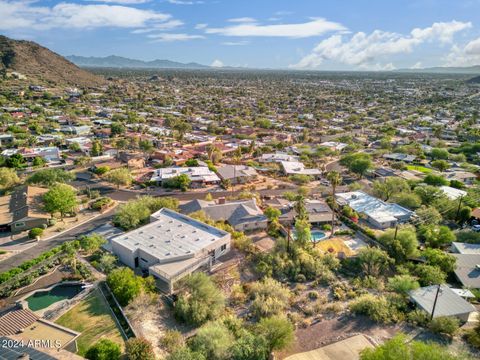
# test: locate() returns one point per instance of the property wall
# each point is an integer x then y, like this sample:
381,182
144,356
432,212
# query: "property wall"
124,254
28,224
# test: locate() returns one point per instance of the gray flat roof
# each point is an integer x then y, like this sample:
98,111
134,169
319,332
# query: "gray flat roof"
448,303
170,235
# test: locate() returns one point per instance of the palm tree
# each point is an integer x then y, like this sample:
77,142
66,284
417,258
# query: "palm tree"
335,179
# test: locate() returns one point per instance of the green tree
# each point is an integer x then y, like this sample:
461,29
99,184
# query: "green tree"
440,258
401,247
408,200
139,349
428,215
137,212
213,341
373,261
49,177
181,182
439,154
436,236
117,128
97,148
8,178
435,180
92,243
429,274
38,161
199,301
125,285
403,284
118,177
249,347
60,198
303,235
277,330
272,213
104,349
440,165
389,187
106,263
429,194
184,353
15,161
360,166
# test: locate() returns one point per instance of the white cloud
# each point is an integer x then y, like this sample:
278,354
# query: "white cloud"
171,24
201,26
125,2
364,51
242,20
467,55
443,32
314,27
171,37
217,63
24,14
185,2
235,43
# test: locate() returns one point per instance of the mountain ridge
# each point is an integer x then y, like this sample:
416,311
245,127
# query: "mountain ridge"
114,61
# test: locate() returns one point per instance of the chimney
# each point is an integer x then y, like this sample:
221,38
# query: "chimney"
221,201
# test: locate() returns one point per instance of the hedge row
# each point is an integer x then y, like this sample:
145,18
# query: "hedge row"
7,275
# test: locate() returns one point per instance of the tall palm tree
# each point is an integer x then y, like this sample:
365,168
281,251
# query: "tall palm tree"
335,179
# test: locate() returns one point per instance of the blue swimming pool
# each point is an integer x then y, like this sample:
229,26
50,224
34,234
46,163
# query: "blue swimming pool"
317,235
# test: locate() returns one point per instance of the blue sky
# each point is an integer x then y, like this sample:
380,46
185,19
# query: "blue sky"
301,34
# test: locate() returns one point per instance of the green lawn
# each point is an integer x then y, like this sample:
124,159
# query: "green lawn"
93,319
422,169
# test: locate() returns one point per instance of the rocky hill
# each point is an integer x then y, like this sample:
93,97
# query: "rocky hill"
20,59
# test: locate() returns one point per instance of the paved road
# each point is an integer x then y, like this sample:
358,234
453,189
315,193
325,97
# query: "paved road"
45,245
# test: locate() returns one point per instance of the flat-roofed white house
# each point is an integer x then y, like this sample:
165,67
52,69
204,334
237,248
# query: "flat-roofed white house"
379,213
199,175
171,246
277,157
296,167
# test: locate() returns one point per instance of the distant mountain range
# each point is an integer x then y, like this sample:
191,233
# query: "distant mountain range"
445,70
114,61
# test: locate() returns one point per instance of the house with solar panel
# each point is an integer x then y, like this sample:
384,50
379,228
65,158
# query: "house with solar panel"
170,247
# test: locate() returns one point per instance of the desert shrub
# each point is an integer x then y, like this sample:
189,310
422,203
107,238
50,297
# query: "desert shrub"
33,233
172,340
377,308
269,298
447,325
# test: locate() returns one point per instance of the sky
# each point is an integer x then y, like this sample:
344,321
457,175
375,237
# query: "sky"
279,34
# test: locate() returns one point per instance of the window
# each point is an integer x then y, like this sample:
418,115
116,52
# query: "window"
20,224
223,247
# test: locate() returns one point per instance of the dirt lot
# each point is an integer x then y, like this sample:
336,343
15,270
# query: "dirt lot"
329,331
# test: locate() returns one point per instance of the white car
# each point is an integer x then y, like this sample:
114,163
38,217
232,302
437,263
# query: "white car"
476,228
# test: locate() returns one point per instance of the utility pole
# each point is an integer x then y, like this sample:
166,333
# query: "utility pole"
435,302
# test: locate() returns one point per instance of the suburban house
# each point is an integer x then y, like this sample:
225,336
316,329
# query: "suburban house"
22,210
468,269
317,210
453,193
400,157
277,157
48,153
26,327
6,139
296,167
465,248
463,176
199,176
380,214
237,174
170,247
448,303
334,146
243,215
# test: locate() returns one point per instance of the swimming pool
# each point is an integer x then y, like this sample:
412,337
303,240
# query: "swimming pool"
44,298
317,235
